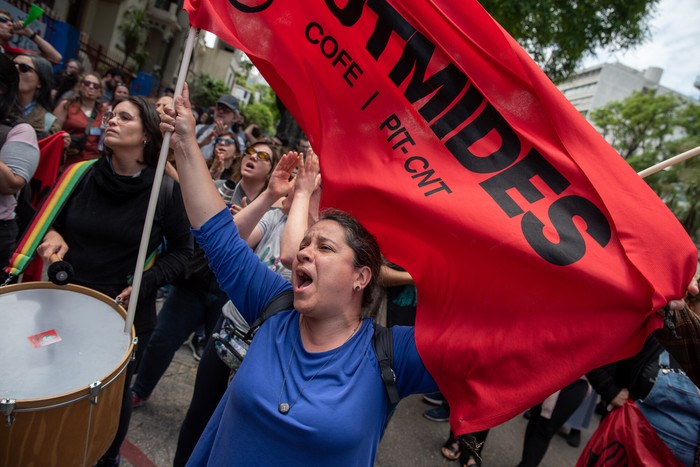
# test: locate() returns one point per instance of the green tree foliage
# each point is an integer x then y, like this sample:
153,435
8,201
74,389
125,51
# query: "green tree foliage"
268,99
646,129
260,115
558,34
134,29
205,90
640,123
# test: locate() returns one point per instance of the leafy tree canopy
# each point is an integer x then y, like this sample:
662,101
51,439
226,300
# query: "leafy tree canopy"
641,123
268,99
558,34
134,29
647,128
205,90
260,115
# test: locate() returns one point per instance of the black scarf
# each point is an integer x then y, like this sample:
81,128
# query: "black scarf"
120,186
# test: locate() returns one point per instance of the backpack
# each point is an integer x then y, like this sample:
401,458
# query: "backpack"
232,344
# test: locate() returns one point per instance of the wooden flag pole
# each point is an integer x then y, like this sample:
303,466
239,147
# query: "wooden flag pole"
157,181
669,162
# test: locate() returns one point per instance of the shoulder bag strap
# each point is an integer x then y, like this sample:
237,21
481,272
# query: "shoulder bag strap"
44,217
283,301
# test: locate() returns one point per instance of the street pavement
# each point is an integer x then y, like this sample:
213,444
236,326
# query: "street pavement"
410,439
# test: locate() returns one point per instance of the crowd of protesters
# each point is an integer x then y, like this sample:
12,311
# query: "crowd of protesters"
270,185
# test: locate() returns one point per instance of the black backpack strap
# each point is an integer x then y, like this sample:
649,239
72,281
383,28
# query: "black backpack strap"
166,192
384,350
283,301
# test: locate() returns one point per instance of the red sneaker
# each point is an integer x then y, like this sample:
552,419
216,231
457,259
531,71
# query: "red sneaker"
137,401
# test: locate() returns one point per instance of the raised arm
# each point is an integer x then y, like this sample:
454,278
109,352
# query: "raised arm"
202,200
47,50
389,277
306,187
247,219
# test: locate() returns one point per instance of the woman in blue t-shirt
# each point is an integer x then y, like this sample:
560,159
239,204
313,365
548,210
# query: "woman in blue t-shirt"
309,391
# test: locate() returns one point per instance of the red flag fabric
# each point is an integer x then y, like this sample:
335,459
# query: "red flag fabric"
51,151
538,253
625,437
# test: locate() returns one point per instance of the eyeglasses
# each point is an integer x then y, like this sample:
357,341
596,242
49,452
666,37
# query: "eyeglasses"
91,84
261,155
24,68
122,117
224,141
4,19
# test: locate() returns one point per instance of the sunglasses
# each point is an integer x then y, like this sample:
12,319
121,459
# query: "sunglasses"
261,155
24,68
4,19
224,141
91,84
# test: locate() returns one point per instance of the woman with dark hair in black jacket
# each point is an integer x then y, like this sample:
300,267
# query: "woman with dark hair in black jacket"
99,229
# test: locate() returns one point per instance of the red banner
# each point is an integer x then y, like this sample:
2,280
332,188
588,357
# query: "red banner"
538,253
51,149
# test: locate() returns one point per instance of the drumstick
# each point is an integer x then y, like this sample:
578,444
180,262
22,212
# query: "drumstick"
60,272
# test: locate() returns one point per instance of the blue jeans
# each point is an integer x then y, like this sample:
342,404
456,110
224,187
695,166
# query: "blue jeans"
183,311
673,409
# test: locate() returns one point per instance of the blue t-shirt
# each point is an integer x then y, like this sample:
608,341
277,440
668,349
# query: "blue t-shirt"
337,398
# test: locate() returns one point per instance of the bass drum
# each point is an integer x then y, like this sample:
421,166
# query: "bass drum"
63,351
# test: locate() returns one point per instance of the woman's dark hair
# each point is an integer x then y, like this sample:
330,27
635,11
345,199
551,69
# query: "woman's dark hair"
65,83
9,90
150,120
363,245
45,74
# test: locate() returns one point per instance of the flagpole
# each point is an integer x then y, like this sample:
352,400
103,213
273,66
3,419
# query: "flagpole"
669,162
157,181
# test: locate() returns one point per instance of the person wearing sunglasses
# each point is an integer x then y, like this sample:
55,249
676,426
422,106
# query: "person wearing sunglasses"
226,114
19,158
257,163
35,78
9,28
227,157
81,117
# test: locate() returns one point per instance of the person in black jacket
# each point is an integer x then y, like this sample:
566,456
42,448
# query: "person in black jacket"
99,229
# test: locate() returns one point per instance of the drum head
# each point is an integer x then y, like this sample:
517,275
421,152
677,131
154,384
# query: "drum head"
57,340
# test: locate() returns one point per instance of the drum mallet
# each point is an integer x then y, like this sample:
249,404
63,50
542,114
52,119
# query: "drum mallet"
59,272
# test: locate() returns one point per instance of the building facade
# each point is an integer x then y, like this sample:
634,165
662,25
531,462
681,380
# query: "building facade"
601,84
99,42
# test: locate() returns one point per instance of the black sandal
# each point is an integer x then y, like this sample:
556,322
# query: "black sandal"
470,451
450,450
